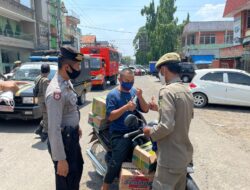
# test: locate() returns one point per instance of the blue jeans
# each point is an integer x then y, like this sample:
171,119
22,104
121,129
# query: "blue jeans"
122,150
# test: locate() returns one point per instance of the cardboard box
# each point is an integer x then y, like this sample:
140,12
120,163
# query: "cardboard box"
99,106
99,122
91,118
132,178
144,158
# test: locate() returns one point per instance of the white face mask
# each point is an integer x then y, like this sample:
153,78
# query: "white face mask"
162,78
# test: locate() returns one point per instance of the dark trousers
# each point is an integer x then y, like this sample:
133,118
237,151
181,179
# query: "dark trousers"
121,152
74,159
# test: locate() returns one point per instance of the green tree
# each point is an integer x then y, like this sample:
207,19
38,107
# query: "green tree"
126,60
162,30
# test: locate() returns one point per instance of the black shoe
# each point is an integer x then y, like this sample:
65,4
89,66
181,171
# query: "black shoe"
44,136
39,130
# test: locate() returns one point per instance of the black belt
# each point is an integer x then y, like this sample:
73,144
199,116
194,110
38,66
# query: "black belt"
65,128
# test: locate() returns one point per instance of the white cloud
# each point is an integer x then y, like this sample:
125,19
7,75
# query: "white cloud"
211,12
121,29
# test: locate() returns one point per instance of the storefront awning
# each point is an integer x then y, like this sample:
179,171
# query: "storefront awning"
202,59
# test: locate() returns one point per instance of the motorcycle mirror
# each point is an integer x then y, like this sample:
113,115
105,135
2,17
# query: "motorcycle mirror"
131,121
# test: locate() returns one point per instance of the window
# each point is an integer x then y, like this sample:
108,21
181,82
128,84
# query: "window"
208,38
114,56
216,77
191,40
229,36
95,51
238,78
187,68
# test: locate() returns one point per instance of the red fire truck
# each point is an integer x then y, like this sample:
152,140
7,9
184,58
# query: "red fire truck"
104,64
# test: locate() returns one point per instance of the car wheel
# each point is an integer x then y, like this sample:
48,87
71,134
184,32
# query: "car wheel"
185,79
200,100
104,85
114,82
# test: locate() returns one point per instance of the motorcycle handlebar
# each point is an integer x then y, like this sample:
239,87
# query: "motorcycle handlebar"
134,133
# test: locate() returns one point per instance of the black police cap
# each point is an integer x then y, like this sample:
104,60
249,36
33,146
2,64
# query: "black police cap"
68,52
45,68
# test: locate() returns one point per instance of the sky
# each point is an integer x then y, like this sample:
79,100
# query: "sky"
118,21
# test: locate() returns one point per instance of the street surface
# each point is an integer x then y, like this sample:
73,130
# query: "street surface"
220,136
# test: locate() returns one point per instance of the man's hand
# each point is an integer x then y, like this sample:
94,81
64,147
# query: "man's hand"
139,93
10,85
62,168
152,105
146,131
131,106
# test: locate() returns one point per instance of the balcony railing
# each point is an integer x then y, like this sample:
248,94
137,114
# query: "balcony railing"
17,35
16,7
207,46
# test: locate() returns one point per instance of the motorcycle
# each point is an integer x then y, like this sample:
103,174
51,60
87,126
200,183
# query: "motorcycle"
100,151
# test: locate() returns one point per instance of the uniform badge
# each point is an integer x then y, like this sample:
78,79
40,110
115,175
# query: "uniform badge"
57,95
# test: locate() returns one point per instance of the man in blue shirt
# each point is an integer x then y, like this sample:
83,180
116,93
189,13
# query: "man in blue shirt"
119,104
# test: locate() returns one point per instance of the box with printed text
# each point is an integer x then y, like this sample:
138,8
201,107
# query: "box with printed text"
99,106
131,178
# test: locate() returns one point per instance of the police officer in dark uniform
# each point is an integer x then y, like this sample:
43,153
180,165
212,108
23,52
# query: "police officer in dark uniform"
63,121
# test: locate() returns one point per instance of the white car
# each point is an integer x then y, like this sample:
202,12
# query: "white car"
122,67
221,86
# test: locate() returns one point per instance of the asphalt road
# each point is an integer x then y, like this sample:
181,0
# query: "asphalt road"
220,135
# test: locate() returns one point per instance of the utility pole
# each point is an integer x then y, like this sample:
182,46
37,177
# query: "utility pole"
59,24
48,13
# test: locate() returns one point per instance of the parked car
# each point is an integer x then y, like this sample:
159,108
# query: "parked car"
132,68
121,67
26,105
187,71
139,70
221,86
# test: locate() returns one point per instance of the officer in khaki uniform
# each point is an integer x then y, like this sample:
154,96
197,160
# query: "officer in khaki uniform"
42,81
171,134
63,121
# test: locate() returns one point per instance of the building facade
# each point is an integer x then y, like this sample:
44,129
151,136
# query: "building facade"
17,33
202,41
71,32
42,24
239,52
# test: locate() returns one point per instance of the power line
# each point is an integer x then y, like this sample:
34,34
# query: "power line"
106,29
91,22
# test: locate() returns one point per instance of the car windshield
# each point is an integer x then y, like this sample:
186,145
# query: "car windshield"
29,72
95,64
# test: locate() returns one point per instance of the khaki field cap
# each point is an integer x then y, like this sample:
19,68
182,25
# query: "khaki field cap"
17,62
168,57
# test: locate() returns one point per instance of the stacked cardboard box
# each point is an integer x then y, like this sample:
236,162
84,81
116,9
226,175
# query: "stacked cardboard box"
132,178
97,118
144,158
99,106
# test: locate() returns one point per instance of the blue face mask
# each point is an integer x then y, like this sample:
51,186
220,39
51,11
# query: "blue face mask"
127,85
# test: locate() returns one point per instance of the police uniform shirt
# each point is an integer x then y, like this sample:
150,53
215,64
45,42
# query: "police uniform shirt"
62,111
43,85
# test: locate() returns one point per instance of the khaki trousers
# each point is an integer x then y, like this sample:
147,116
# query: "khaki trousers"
169,179
44,121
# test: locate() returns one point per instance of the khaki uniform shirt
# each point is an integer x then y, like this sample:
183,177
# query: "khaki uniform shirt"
171,134
43,84
62,111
